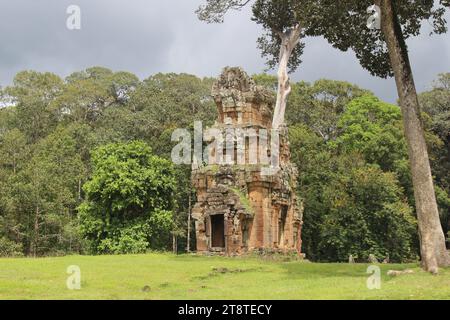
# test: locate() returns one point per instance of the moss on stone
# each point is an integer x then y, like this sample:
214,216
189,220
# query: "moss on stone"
245,201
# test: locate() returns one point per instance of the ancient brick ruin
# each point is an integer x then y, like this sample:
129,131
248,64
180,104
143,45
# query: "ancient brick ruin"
240,208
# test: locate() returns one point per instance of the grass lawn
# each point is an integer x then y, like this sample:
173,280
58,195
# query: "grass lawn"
165,276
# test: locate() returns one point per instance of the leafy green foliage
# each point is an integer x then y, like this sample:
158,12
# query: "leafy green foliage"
129,200
40,195
375,129
49,128
436,104
320,104
349,149
343,24
33,94
215,10
350,207
9,248
357,172
347,144
277,16
366,216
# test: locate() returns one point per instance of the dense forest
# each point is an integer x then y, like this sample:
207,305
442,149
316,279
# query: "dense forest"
85,164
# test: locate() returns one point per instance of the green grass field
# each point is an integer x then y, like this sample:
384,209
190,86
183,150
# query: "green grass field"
165,276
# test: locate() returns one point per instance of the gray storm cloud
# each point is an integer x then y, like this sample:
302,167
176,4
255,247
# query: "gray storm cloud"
149,36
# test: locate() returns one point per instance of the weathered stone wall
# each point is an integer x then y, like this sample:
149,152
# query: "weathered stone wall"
259,211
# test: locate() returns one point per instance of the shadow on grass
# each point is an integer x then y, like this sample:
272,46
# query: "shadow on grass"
344,270
296,269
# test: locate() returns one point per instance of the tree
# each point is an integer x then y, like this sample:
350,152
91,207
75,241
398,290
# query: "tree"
367,216
327,124
374,129
160,104
32,94
39,199
129,205
13,149
89,93
351,207
285,31
319,105
384,53
436,104
282,22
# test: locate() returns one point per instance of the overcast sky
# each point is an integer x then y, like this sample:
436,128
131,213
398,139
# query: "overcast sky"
149,36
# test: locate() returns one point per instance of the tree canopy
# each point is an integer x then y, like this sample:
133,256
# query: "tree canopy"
92,184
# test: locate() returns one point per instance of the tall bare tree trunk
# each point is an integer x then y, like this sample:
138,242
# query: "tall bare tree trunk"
289,41
433,250
36,232
79,189
174,244
188,246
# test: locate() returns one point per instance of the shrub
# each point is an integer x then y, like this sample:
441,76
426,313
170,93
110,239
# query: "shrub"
129,200
10,248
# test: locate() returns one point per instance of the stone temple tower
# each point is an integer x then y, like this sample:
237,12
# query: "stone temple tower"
240,207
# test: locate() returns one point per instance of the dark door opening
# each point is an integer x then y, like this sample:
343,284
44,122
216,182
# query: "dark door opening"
282,226
217,231
245,234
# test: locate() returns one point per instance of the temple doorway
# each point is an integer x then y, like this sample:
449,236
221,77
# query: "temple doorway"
217,231
282,226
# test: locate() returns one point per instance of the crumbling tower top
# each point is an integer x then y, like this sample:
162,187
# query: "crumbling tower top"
240,101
